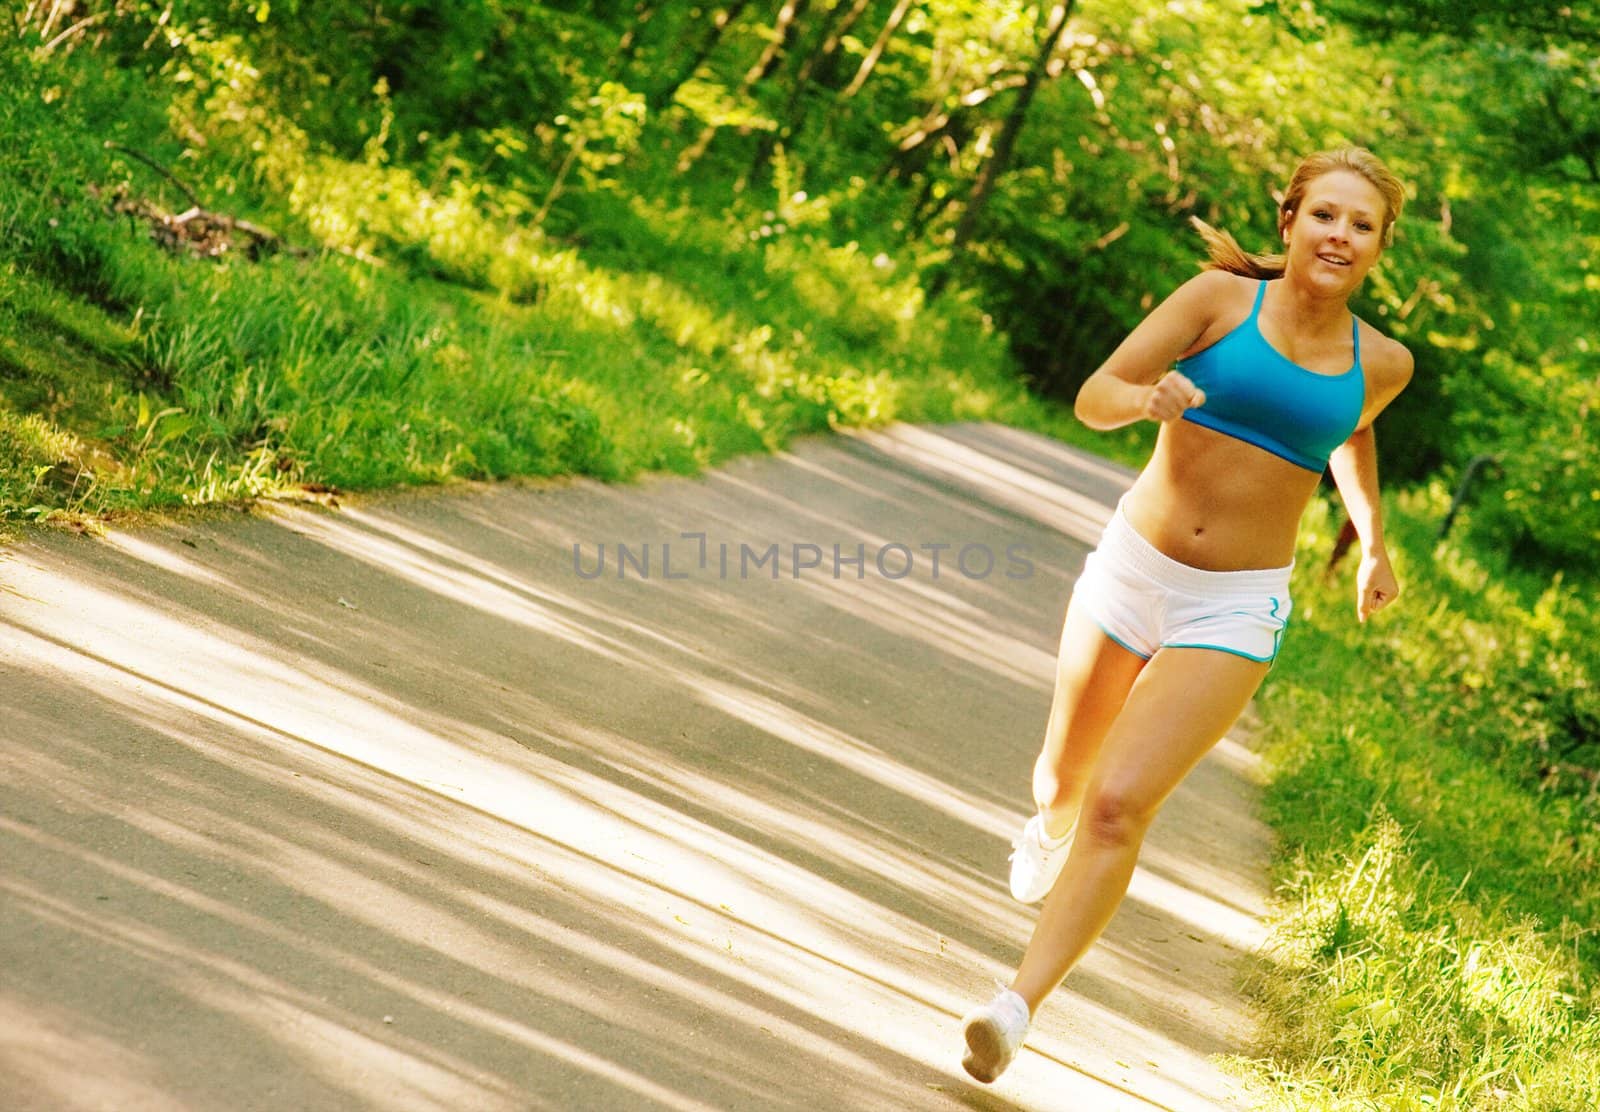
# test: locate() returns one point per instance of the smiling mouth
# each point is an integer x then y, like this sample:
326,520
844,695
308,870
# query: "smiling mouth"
1334,260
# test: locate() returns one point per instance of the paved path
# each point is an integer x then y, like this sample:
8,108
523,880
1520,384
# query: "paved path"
394,807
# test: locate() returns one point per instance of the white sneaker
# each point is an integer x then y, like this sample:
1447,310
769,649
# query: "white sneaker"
994,1034
1035,863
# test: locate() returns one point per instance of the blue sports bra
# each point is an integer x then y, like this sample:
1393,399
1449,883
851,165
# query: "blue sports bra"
1256,394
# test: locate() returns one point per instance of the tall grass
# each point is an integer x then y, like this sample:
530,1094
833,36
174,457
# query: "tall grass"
432,334
1434,936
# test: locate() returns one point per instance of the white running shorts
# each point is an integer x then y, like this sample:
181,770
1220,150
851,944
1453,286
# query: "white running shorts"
1145,600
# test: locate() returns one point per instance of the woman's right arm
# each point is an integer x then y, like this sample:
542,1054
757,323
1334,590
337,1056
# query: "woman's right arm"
1134,384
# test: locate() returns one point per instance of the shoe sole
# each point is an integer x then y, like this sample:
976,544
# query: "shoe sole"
986,1053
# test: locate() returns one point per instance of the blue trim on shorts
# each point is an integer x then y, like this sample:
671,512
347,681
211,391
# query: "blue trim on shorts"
1121,643
1277,639
1223,649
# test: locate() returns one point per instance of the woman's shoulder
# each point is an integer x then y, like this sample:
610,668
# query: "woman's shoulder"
1386,360
1218,301
1222,283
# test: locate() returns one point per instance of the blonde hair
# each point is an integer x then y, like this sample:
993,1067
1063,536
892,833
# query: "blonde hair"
1225,252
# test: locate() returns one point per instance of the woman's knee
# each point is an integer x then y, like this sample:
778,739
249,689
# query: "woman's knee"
1113,818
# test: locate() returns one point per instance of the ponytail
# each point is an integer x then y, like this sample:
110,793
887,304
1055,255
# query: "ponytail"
1226,254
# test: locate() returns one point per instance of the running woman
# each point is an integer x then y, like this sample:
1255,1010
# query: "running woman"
1260,377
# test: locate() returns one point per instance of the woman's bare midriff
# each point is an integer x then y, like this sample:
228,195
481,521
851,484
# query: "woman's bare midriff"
1217,503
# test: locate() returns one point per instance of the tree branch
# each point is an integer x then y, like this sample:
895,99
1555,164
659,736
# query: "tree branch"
194,198
76,28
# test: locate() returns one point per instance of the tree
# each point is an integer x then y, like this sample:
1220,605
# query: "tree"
719,24
816,69
869,63
783,29
1055,22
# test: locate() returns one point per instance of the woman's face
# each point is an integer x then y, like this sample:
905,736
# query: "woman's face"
1336,234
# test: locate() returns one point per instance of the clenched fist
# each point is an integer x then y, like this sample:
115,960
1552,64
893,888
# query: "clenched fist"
1376,585
1171,396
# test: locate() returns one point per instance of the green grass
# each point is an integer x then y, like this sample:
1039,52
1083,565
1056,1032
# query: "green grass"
433,336
1436,891
216,380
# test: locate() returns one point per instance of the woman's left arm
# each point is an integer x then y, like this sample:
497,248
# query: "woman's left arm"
1355,472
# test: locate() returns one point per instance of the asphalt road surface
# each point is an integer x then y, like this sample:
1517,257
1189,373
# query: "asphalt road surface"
446,801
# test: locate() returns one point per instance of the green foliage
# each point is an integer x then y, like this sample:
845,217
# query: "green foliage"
435,334
1467,19
1432,944
447,137
1507,341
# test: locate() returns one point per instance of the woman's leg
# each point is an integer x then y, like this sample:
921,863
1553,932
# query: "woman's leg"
1093,677
1182,703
